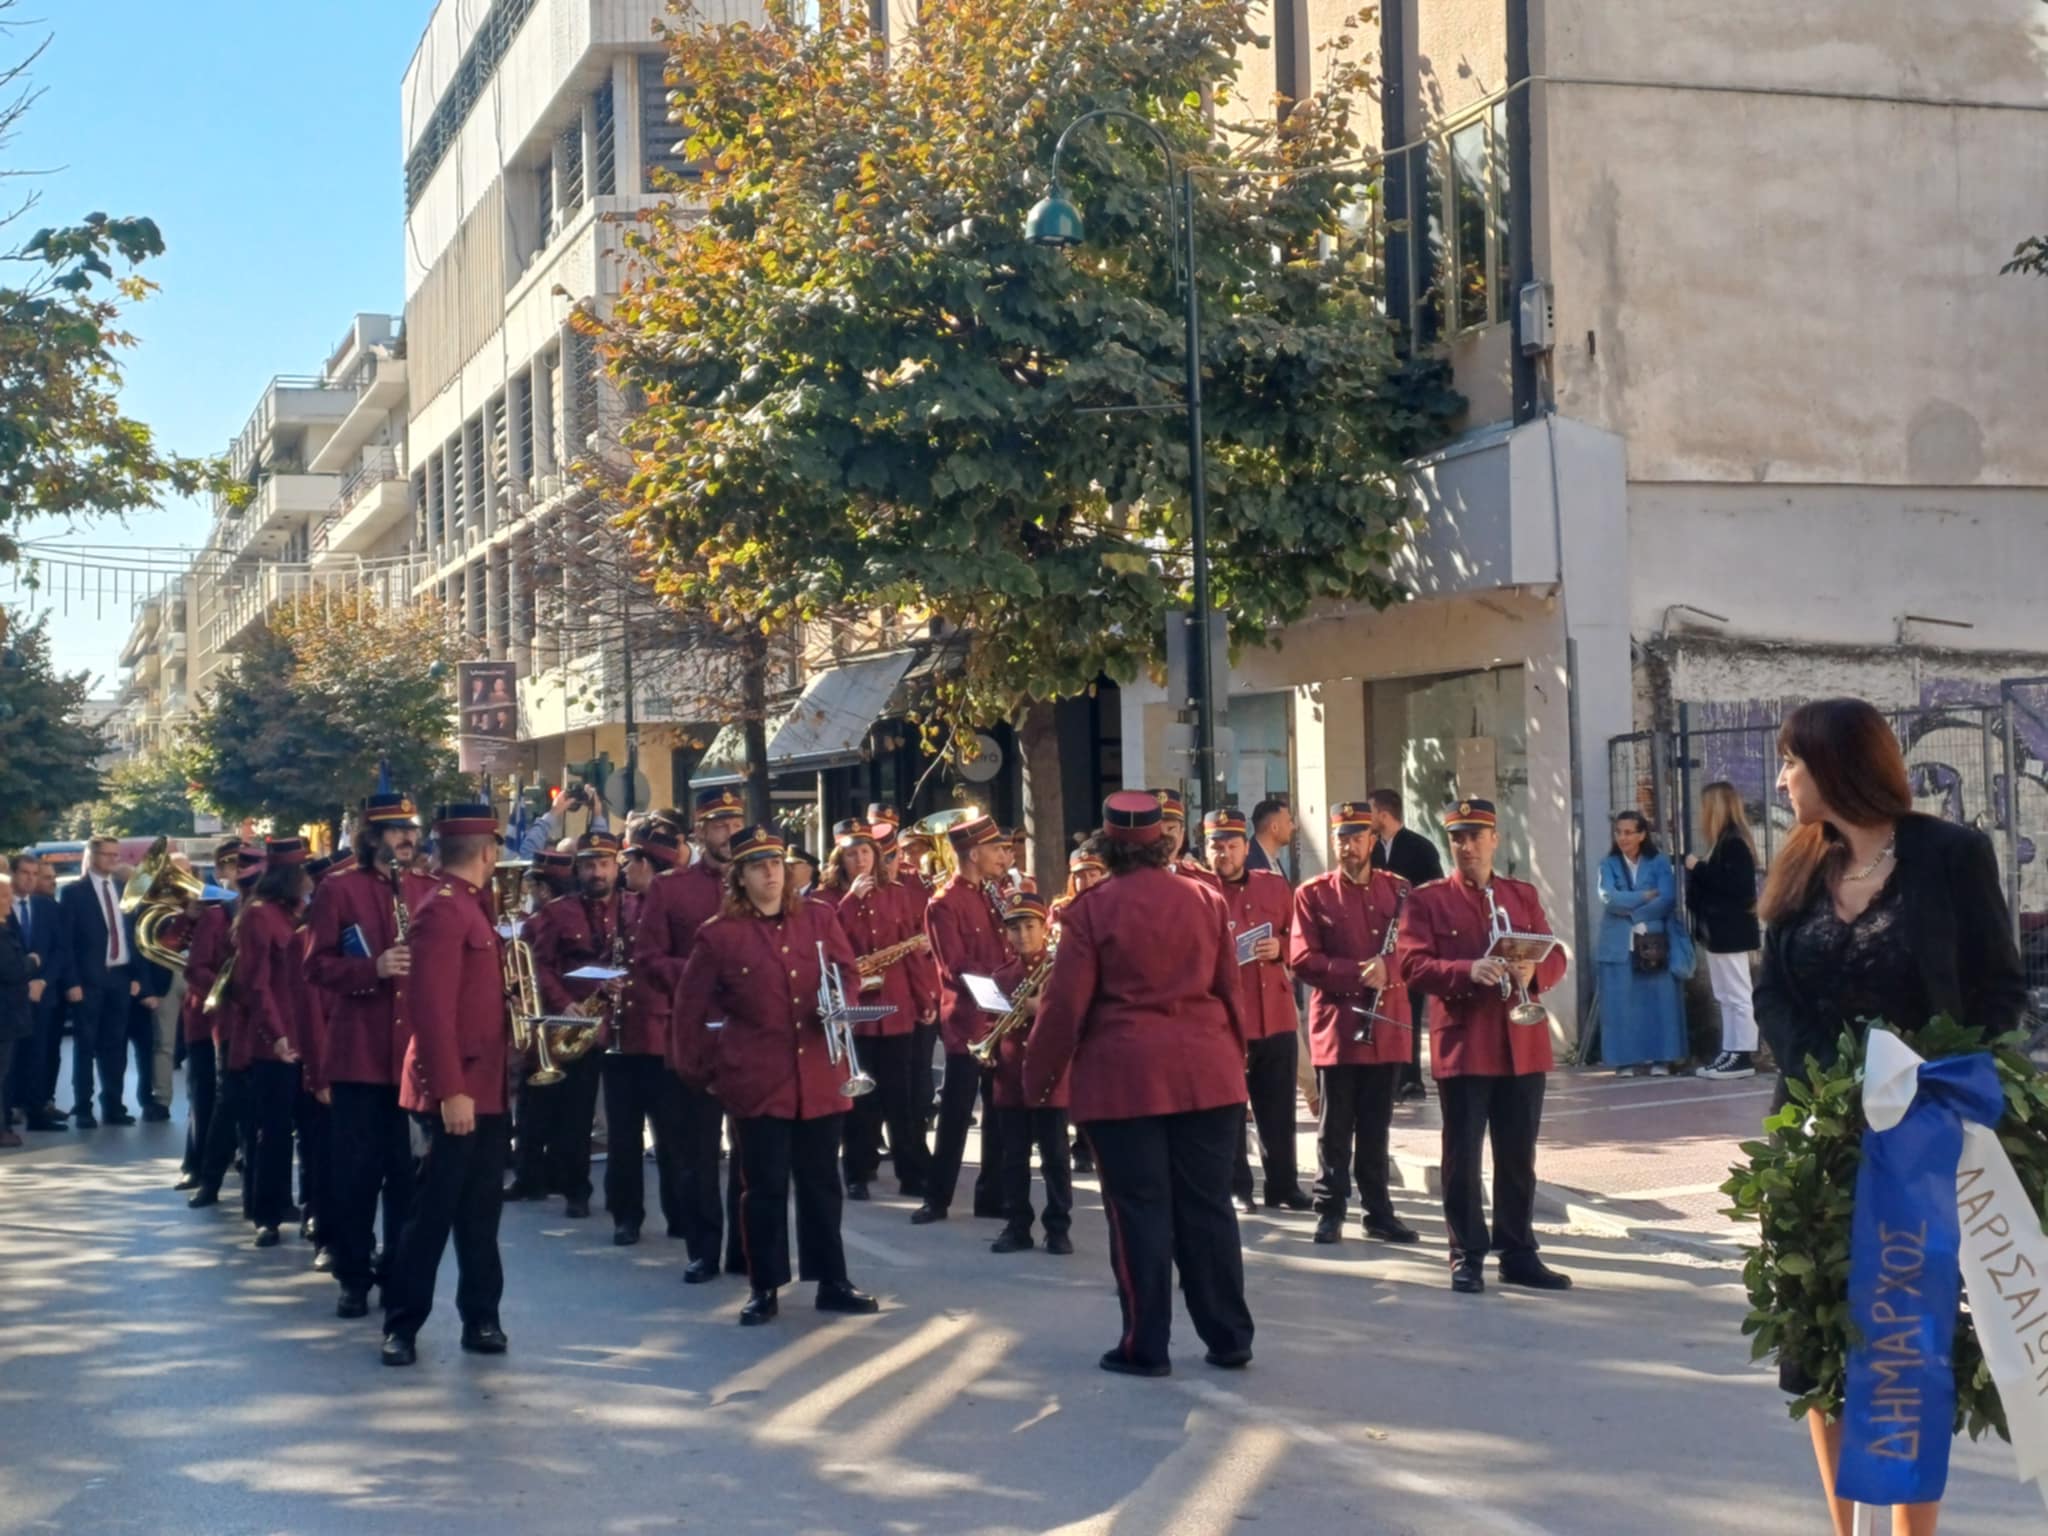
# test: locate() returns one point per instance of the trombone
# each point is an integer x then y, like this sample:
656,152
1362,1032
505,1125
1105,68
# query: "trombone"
839,1018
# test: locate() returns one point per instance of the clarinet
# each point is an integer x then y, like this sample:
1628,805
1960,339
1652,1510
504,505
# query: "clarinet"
993,891
614,1007
1371,1010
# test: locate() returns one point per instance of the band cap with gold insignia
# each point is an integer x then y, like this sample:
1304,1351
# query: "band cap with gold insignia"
381,811
470,819
845,834
1025,904
1082,859
757,843
1172,804
656,843
1134,816
715,803
973,832
882,810
1468,813
285,850
1351,816
1227,822
597,845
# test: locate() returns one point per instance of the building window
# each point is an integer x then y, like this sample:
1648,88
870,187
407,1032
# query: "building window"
604,178
659,136
569,160
479,64
1470,227
1446,202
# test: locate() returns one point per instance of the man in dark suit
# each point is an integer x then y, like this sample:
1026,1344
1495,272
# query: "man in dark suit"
1415,859
35,1060
104,981
1272,836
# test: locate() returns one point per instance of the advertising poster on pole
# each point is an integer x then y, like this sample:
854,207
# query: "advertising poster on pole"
488,729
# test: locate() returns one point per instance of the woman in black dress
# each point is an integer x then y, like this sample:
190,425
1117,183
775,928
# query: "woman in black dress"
1875,912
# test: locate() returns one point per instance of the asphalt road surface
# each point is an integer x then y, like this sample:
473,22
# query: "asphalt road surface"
159,1375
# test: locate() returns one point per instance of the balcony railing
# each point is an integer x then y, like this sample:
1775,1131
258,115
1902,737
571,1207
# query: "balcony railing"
377,467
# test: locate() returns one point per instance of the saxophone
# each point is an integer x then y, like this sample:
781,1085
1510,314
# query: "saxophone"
984,1050
871,965
571,1044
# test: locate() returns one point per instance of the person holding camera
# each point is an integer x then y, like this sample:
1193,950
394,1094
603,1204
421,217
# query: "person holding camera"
552,825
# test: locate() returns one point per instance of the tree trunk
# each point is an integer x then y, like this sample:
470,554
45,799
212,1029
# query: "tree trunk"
1045,815
754,722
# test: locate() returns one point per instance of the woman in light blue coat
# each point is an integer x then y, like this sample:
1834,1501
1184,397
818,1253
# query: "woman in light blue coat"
1642,1015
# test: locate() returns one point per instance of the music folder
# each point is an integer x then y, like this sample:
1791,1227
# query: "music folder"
1249,939
986,994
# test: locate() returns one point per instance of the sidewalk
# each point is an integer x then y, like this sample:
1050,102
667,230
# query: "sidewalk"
1641,1156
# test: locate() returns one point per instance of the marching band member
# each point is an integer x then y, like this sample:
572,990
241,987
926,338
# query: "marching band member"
965,927
575,931
271,1035
1157,1049
549,878
1174,807
359,960
756,967
311,1115
1084,870
878,914
205,952
1345,925
229,1134
452,1085
690,1120
1257,897
1489,1071
1015,1123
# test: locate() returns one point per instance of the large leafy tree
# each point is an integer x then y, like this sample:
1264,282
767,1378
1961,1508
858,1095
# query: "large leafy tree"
323,693
49,752
863,388
148,795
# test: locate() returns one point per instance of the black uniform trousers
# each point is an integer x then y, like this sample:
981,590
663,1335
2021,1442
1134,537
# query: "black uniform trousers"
316,1160
1351,1137
202,1079
372,1158
458,1190
924,1079
697,1216
1508,1111
964,1082
1269,1078
273,1092
1166,1191
1018,1131
227,1131
890,1061
1418,1013
774,1157
638,1089
554,1129
99,1038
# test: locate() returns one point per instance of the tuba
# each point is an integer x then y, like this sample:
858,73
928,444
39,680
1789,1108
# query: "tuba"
940,863
159,892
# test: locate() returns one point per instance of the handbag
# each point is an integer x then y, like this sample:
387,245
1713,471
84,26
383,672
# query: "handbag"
1649,953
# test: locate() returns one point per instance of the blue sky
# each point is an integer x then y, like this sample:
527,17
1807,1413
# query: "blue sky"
263,136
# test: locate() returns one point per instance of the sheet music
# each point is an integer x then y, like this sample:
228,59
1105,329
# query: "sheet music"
594,973
1249,939
986,994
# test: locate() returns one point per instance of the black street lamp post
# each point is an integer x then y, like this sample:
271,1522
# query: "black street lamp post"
1055,221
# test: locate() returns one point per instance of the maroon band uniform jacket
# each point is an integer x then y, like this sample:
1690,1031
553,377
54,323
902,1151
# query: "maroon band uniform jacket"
967,940
888,915
674,906
365,1012
455,1003
760,976
1339,925
1260,897
204,956
1443,931
1143,1003
1006,1089
265,985
568,934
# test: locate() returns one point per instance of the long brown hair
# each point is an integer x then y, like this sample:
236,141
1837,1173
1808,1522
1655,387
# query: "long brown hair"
1857,768
1721,812
737,902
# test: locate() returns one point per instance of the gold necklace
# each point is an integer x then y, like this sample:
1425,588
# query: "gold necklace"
1871,868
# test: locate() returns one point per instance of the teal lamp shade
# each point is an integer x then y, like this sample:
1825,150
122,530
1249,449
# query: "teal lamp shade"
1053,221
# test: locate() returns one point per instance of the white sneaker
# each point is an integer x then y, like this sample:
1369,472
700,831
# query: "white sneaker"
1658,1069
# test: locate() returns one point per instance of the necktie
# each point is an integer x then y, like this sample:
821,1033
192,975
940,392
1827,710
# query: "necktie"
113,920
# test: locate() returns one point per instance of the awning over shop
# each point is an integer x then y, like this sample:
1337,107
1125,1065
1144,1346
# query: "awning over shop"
827,727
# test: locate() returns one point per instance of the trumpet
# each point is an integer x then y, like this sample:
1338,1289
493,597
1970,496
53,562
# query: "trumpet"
985,1049
839,1020
1500,926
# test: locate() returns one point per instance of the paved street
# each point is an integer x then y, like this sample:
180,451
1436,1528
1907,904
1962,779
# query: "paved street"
159,1375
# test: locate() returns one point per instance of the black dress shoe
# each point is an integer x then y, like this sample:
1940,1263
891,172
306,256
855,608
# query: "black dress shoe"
1012,1242
1527,1270
1113,1360
840,1296
155,1112
82,1120
119,1117
204,1195
187,1181
925,1215
1229,1359
484,1339
761,1307
353,1304
48,1123
1468,1279
323,1260
518,1190
700,1271
625,1234
309,1231
1329,1229
577,1209
1293,1200
1058,1242
857,1190
1391,1229
397,1350
266,1237
1244,1205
